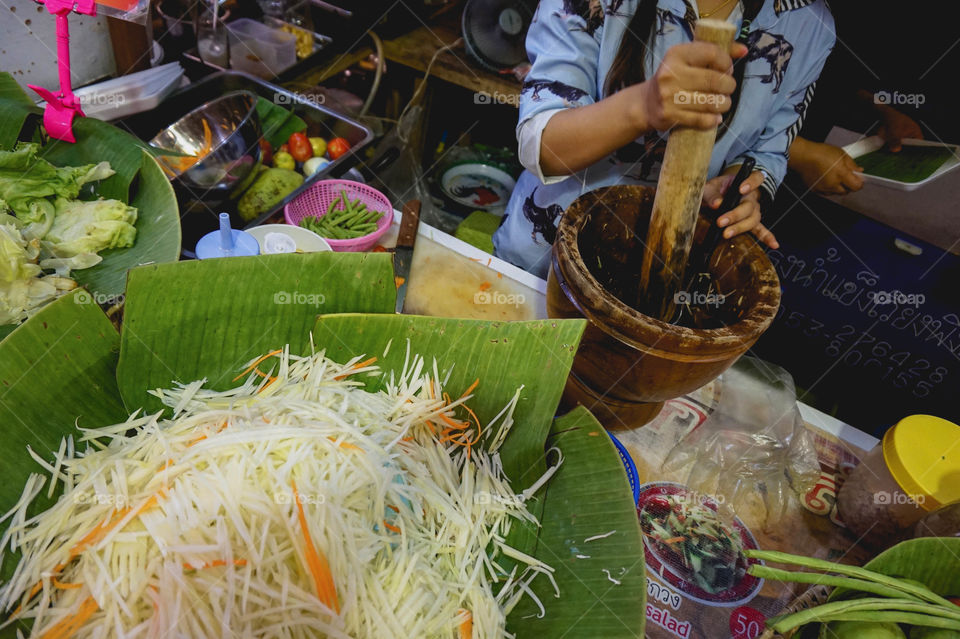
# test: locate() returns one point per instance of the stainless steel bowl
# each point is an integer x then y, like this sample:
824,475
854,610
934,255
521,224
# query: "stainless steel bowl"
225,155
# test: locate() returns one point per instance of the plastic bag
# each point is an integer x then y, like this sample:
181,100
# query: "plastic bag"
753,450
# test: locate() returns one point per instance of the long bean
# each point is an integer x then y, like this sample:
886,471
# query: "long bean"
835,609
911,618
344,219
903,587
766,572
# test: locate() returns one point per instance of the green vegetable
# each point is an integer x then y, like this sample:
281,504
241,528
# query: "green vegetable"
25,178
478,229
269,190
909,164
925,632
90,227
277,123
283,160
345,219
861,630
932,564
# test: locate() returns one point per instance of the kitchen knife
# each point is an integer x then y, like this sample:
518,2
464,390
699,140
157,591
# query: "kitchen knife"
403,254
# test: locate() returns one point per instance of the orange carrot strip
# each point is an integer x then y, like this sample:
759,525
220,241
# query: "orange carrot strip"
65,586
466,626
98,533
393,508
391,527
316,561
485,285
68,627
472,388
673,540
453,423
257,363
196,440
347,445
356,366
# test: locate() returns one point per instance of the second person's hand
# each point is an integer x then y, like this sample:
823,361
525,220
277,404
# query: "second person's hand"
745,217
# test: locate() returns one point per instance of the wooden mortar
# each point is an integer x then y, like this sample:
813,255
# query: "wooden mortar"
629,363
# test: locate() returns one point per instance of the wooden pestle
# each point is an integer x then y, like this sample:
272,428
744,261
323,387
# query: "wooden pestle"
677,201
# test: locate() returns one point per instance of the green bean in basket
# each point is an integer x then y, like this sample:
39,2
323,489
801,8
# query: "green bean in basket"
345,219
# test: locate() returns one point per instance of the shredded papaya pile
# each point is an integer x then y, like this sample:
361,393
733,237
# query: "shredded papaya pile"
295,505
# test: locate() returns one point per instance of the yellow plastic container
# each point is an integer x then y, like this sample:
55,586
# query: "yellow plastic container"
914,470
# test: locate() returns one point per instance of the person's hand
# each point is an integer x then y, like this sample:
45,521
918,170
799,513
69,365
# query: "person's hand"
826,169
691,87
745,216
896,126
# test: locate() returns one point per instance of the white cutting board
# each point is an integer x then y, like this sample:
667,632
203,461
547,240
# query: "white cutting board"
450,278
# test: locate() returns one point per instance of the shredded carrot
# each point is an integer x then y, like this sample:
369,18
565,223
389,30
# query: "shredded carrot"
453,423
65,586
466,626
67,627
500,276
215,564
472,388
347,445
393,508
316,561
257,362
391,527
98,533
356,367
196,440
673,540
485,285
398,281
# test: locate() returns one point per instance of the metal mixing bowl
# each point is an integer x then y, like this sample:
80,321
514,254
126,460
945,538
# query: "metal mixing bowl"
233,150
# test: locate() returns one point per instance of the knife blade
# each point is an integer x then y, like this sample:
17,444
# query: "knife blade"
403,254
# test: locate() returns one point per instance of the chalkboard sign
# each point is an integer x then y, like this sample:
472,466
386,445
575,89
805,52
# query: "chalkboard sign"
870,332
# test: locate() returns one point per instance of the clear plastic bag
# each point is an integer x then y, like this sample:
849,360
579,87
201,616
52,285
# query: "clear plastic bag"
753,450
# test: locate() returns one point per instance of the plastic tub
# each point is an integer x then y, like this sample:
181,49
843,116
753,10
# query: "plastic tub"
913,471
260,50
129,94
314,203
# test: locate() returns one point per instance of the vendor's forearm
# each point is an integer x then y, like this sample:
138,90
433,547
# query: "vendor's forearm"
798,153
576,138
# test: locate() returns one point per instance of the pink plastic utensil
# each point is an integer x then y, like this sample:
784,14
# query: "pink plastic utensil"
62,107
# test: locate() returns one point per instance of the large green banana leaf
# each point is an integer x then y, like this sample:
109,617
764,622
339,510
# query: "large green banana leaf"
205,319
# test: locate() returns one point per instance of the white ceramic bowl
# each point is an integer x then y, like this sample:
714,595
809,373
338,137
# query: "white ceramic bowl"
306,241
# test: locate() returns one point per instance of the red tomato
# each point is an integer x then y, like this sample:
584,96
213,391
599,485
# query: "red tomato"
337,147
266,152
300,147
283,148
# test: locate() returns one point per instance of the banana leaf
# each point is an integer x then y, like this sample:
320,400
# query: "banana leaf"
15,107
225,312
57,371
932,561
190,320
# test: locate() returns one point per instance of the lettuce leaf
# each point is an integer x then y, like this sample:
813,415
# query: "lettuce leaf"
25,178
90,227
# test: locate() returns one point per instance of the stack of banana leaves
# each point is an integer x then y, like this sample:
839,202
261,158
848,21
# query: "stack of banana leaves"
265,449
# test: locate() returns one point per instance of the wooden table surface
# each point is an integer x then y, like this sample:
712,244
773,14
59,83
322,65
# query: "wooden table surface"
415,49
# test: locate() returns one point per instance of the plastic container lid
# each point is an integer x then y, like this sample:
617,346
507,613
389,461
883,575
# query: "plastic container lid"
922,453
227,242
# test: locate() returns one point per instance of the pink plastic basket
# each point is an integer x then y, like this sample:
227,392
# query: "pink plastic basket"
314,203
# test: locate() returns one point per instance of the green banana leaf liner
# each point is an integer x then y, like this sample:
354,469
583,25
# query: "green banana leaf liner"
184,321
